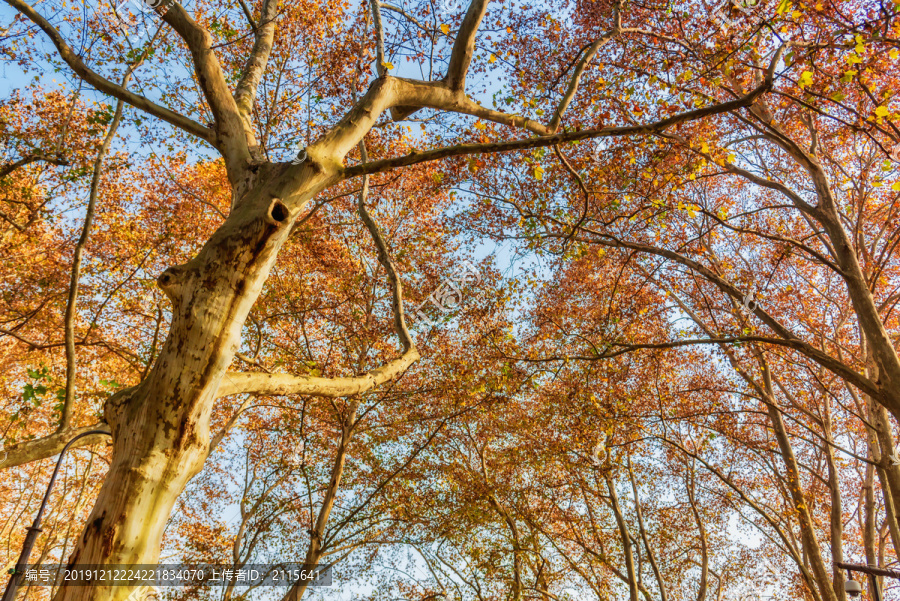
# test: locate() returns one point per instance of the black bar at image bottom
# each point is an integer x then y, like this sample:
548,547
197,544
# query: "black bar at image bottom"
185,575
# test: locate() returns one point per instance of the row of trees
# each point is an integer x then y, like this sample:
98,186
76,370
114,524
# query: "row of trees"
672,376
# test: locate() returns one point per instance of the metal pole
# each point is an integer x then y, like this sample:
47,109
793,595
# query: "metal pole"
35,529
855,567
876,592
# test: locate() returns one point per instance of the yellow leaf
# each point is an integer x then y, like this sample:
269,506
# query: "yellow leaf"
704,148
387,65
480,125
882,111
538,172
492,59
445,28
895,187
894,54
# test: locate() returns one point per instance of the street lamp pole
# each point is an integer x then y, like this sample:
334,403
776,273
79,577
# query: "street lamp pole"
35,529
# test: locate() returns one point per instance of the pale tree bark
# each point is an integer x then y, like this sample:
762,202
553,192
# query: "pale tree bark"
651,556
869,517
836,509
690,485
625,536
881,441
884,452
352,386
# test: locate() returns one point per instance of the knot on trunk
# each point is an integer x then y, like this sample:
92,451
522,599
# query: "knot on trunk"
277,214
170,281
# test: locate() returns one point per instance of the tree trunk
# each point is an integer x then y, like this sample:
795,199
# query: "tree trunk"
836,513
161,428
626,539
811,550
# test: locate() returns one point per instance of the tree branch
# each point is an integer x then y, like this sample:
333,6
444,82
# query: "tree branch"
48,446
245,92
106,86
582,65
384,257
545,141
233,134
282,384
31,158
464,45
72,300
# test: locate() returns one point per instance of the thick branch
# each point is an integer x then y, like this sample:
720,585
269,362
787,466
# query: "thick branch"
245,93
545,141
281,384
104,85
464,46
579,71
48,446
233,134
31,158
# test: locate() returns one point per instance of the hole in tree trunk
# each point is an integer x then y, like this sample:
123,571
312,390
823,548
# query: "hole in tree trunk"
278,212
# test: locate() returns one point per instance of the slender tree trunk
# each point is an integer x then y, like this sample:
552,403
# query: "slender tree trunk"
651,556
315,550
517,547
704,551
811,550
626,538
834,486
869,515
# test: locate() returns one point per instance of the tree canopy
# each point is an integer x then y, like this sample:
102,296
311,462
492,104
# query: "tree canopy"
582,299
